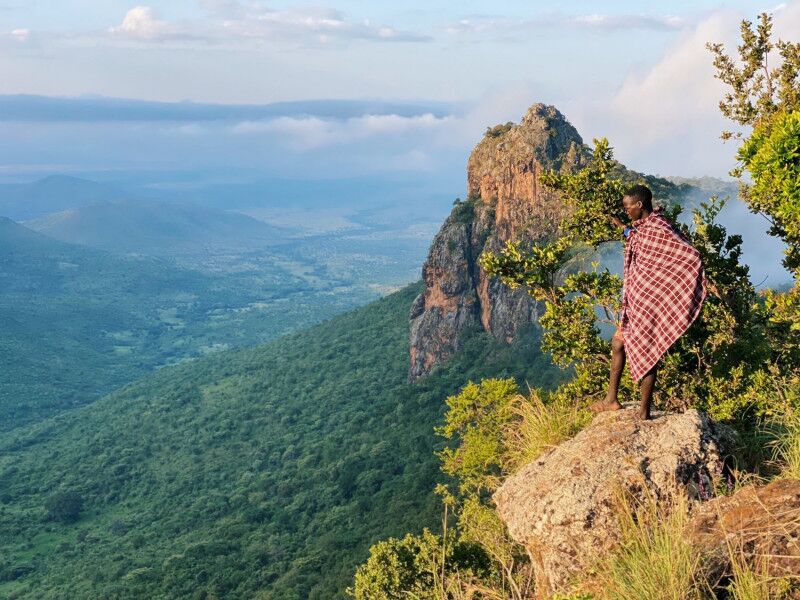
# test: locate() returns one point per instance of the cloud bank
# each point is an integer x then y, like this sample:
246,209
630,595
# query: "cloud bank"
233,23
665,118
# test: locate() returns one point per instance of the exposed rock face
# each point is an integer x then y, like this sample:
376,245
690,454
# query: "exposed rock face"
760,522
504,170
560,506
505,201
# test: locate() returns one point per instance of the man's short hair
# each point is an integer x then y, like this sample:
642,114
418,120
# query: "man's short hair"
643,193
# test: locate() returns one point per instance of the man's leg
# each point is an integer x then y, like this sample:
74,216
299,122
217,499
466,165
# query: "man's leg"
617,365
647,386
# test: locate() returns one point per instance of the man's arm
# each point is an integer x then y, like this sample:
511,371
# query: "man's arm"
626,230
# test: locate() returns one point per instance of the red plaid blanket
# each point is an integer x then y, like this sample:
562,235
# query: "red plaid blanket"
663,291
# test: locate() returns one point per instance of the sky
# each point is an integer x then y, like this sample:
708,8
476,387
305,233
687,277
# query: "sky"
430,77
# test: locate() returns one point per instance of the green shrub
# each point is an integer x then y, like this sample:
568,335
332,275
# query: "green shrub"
416,567
64,506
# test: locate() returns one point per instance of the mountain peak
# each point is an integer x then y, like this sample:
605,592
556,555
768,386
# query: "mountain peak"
543,112
506,201
501,166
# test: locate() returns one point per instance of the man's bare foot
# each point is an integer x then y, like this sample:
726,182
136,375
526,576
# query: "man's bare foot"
643,416
604,405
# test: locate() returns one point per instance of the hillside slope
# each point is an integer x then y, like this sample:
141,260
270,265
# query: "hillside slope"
51,194
77,323
262,473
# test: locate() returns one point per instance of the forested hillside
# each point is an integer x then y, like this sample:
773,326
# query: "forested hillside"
261,473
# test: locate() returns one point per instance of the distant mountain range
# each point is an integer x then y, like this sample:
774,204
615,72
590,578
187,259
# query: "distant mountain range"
150,227
28,107
22,201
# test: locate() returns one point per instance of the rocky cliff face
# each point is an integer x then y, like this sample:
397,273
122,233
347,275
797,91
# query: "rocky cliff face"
505,201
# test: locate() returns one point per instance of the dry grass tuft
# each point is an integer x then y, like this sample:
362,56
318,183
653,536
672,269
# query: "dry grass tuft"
540,426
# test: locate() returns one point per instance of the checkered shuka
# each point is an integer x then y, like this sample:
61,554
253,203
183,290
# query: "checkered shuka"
663,291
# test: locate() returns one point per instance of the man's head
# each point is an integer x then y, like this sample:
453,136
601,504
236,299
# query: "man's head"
638,202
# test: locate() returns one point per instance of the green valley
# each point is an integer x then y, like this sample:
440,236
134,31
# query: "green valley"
258,473
78,322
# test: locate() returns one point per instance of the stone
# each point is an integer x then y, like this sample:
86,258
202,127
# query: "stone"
560,506
757,522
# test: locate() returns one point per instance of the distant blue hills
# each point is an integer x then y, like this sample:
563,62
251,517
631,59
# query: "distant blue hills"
25,107
156,227
22,201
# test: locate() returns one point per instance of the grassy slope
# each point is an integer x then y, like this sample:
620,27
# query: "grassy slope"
265,472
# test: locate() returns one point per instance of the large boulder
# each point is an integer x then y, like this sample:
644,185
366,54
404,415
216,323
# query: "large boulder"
560,506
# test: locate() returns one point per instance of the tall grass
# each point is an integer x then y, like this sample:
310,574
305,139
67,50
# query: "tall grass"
786,446
654,560
750,581
540,426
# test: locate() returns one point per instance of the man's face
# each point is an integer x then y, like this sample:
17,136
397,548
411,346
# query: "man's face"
633,207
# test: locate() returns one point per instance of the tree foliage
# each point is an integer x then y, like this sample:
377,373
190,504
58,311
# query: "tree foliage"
756,91
64,506
416,566
765,102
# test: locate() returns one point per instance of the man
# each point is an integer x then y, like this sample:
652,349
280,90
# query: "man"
664,287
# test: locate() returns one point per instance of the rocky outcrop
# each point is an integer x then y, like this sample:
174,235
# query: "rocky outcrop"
560,506
504,170
758,523
505,201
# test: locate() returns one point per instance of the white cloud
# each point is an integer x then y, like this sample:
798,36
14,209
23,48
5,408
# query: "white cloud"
223,8
787,20
509,27
21,35
141,23
19,40
314,132
323,24
618,22
681,89
666,119
233,23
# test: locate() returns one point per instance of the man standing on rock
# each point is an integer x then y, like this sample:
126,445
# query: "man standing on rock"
664,287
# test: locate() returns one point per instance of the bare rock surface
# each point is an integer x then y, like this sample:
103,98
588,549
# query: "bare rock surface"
757,522
560,506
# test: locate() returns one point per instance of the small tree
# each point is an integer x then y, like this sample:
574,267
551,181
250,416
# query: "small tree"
64,506
763,98
426,567
766,102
